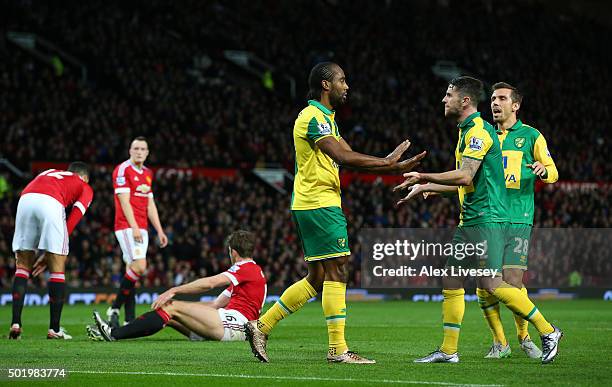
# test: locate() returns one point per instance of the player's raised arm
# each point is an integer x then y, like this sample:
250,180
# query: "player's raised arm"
195,287
343,155
154,218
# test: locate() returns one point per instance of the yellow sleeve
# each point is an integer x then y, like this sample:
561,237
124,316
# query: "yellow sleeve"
477,143
541,154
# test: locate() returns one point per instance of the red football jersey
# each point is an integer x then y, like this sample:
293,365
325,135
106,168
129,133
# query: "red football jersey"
127,178
65,187
248,289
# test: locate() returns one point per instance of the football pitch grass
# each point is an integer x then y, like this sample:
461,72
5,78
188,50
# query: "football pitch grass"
393,333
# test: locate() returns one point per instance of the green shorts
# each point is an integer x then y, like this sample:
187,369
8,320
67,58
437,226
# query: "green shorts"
480,246
517,250
322,232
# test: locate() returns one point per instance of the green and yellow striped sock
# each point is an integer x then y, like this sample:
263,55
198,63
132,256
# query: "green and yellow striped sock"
334,309
519,303
290,301
522,325
490,308
453,309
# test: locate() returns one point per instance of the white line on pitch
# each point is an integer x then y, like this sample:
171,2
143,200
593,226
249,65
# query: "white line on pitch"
306,378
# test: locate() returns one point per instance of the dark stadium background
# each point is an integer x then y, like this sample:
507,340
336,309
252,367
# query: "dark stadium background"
103,72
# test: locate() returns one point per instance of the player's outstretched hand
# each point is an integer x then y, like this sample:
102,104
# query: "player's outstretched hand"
411,163
40,265
163,240
413,192
538,168
163,299
412,178
397,153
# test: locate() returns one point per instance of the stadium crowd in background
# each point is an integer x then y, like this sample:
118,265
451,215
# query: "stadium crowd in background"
144,80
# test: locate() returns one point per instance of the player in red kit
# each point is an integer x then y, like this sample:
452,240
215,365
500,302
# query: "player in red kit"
41,225
134,206
222,320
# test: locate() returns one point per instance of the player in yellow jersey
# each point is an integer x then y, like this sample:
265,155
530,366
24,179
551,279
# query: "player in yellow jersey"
525,158
316,208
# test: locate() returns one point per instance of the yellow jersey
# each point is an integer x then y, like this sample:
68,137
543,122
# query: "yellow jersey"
317,178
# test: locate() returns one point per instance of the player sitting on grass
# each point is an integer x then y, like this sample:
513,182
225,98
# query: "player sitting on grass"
221,320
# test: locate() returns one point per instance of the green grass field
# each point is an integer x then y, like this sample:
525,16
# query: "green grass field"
393,333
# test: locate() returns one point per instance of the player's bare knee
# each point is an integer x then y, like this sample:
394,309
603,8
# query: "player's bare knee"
514,277
452,283
172,308
56,262
336,269
316,275
139,266
316,281
25,259
488,283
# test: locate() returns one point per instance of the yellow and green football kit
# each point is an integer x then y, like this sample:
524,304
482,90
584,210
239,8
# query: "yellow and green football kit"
484,217
484,207
315,202
321,225
522,145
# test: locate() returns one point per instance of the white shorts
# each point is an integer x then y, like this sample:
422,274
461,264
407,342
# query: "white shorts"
233,324
40,224
131,249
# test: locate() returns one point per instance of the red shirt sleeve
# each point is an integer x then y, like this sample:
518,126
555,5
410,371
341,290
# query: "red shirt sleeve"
121,183
237,274
79,208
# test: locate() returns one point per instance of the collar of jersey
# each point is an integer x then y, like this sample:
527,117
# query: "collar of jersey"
517,125
468,120
243,262
319,106
134,167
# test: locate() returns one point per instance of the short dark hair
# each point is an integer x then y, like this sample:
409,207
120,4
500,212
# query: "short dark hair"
79,167
515,94
140,138
469,86
243,242
323,71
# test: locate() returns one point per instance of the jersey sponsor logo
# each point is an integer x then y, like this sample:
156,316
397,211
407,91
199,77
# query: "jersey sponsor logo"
324,129
476,143
511,178
512,161
519,142
144,188
120,180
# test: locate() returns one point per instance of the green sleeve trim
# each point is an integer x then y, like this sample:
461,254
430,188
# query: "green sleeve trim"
317,129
